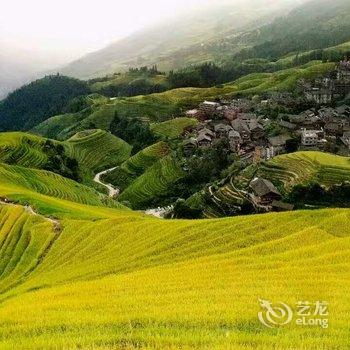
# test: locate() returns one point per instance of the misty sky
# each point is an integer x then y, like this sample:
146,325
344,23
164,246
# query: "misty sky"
66,29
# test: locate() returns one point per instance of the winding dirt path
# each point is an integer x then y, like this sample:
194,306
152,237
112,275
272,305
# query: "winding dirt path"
113,192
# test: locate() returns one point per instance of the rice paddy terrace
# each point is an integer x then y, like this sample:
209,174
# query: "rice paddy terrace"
22,149
284,171
37,187
164,106
136,165
154,183
93,150
97,150
80,271
173,128
305,167
116,279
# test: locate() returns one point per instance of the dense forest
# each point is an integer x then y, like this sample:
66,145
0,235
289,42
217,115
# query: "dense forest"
133,131
33,103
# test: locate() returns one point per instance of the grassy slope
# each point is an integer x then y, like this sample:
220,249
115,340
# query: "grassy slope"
173,128
160,107
129,281
93,150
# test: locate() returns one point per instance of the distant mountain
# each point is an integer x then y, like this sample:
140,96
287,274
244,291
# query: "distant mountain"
202,36
317,24
19,66
13,74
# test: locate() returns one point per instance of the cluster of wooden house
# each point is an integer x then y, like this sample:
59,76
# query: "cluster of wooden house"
244,123
266,196
244,130
334,86
317,128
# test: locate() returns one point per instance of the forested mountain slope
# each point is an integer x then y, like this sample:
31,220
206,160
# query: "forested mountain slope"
314,25
33,103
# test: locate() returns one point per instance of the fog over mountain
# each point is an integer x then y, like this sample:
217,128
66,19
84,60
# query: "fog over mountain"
20,65
194,37
119,35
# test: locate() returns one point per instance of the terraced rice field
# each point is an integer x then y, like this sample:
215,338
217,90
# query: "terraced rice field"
127,281
111,278
155,182
22,149
164,106
97,150
173,128
144,159
136,165
306,167
93,149
34,186
285,172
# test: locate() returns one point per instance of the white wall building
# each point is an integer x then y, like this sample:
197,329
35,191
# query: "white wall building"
309,138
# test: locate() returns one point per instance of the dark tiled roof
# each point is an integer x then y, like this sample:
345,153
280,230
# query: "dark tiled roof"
240,125
254,124
262,187
279,140
287,125
203,137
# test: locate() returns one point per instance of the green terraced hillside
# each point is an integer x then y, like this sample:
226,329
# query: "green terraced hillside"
97,150
136,165
285,171
173,128
141,161
163,106
156,182
305,167
22,149
30,186
94,150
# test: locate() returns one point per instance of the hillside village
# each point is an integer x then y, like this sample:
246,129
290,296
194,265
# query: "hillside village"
255,136
248,128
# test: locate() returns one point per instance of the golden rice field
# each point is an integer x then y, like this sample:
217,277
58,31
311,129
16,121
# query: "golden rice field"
117,279
306,167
